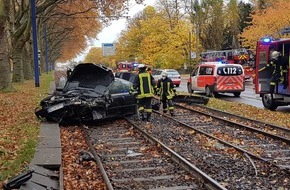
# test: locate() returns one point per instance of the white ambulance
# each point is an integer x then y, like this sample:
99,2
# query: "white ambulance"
217,77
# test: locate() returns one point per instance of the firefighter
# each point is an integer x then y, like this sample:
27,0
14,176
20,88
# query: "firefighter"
145,85
166,91
279,75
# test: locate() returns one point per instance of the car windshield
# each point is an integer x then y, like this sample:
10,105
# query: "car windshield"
172,72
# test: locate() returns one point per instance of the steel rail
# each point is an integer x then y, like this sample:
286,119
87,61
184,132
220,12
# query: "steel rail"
98,160
281,128
209,182
211,136
277,137
218,139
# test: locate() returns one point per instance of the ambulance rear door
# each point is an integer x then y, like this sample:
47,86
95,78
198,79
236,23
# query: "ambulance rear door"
230,78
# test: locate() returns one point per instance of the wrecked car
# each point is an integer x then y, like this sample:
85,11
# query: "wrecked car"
90,93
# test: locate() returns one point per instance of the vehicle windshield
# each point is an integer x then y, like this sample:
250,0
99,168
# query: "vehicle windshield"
172,72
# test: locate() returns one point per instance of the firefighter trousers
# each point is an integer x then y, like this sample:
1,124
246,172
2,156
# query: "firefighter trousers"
167,104
145,108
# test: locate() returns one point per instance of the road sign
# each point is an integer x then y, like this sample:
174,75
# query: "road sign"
193,55
109,49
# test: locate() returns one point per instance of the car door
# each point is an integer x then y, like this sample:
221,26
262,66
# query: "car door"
194,77
205,76
123,101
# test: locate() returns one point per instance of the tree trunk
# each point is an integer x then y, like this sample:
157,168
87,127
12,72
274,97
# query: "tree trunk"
27,69
18,75
5,79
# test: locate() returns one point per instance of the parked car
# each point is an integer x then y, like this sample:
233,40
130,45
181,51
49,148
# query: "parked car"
216,77
126,75
90,93
172,74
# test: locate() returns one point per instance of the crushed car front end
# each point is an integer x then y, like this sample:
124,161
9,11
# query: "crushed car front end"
85,97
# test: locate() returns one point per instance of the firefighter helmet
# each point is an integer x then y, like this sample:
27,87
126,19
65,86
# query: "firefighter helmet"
275,54
164,74
141,66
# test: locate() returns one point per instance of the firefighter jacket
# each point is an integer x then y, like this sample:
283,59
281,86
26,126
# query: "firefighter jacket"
166,88
279,64
144,84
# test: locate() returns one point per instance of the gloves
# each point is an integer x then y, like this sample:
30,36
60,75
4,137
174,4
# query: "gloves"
131,91
156,90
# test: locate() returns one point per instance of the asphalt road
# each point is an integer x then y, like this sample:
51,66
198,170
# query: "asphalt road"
247,97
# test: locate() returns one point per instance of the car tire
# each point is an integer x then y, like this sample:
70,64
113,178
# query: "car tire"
177,85
189,88
208,92
237,94
269,102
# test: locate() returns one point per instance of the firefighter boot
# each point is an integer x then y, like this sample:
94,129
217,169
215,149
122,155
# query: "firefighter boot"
148,117
171,112
142,116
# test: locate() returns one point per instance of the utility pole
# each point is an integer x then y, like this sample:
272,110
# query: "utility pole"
34,39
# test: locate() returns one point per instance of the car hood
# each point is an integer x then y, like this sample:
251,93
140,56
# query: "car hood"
89,76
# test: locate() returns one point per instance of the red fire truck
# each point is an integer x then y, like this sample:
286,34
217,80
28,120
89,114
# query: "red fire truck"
281,95
237,56
126,66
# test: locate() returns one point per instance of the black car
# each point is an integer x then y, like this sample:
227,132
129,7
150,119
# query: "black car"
126,75
90,93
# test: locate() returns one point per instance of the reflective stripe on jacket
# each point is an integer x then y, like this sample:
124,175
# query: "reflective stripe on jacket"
166,87
144,85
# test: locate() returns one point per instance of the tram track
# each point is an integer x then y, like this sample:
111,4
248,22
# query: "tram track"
279,131
248,137
170,154
129,160
231,167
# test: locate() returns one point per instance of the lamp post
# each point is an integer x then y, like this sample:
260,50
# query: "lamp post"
34,40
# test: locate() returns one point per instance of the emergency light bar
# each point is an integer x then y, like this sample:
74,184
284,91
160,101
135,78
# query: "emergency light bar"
266,40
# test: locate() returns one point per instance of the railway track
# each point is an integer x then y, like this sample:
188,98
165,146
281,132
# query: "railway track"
277,130
130,161
229,165
250,136
187,151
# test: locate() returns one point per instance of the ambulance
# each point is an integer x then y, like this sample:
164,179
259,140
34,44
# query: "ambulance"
217,77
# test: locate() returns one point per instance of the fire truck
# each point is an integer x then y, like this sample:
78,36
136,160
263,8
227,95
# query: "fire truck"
241,56
127,66
281,95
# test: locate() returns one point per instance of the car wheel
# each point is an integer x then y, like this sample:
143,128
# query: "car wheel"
189,88
177,85
237,94
208,92
269,102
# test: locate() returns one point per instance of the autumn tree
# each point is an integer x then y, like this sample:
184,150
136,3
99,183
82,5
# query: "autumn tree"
155,39
68,24
232,27
5,81
213,24
245,9
269,22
